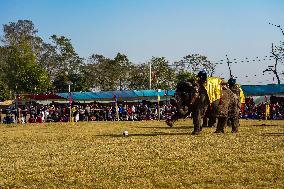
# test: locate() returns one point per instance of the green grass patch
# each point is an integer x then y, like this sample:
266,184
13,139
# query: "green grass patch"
97,155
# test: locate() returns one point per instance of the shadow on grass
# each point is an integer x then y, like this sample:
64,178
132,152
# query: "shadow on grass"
166,127
260,125
146,134
265,125
273,134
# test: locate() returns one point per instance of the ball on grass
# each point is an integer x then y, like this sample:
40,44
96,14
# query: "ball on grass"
125,133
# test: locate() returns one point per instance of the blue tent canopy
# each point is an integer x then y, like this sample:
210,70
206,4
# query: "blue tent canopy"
154,93
249,90
120,95
262,90
79,95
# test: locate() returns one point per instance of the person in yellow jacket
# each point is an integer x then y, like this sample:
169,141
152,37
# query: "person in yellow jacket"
74,112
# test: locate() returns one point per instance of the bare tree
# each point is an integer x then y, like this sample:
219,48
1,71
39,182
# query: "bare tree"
277,53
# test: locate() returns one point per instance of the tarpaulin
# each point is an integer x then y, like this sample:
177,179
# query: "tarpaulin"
213,88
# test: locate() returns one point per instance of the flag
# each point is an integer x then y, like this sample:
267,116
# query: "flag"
70,98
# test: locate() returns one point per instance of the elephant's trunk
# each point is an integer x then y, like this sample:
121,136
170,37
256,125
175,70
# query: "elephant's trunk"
183,111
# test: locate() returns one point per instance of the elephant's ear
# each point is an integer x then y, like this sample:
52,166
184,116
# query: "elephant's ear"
189,84
195,81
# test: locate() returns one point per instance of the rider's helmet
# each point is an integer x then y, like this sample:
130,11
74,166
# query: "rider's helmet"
232,81
202,75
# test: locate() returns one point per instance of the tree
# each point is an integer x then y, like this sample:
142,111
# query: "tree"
17,32
193,63
110,74
23,74
5,92
69,66
28,55
20,70
163,76
183,76
139,77
277,53
123,69
102,72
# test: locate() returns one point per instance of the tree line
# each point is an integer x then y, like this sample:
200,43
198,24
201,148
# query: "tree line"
29,64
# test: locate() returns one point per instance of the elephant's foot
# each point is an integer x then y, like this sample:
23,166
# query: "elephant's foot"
195,132
219,131
235,126
211,125
170,123
234,130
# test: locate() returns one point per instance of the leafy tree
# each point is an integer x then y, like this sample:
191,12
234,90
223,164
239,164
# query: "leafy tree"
27,54
110,74
91,71
69,66
194,63
102,72
17,32
139,77
20,71
183,76
23,74
123,69
163,76
5,92
46,57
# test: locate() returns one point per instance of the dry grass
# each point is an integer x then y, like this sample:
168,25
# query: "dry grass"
97,155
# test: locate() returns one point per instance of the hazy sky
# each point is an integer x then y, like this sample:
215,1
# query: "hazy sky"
170,28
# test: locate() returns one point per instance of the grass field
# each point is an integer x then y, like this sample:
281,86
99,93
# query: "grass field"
97,155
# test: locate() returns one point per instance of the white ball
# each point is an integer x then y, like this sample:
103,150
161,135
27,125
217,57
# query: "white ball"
125,133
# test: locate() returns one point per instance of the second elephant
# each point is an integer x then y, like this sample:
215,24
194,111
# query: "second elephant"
192,97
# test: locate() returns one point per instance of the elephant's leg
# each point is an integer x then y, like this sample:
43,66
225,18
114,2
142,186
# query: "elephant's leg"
235,125
207,117
205,121
229,123
170,121
212,121
196,122
222,121
235,118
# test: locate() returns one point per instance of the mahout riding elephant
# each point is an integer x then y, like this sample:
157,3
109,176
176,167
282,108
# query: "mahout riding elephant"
237,90
192,97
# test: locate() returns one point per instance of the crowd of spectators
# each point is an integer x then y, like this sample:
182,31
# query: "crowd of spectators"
86,112
272,109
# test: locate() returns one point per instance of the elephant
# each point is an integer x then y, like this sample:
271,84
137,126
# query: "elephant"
237,90
192,97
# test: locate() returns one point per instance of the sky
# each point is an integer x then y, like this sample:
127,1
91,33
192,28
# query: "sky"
172,29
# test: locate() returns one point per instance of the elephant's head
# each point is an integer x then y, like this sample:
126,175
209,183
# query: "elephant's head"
186,94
